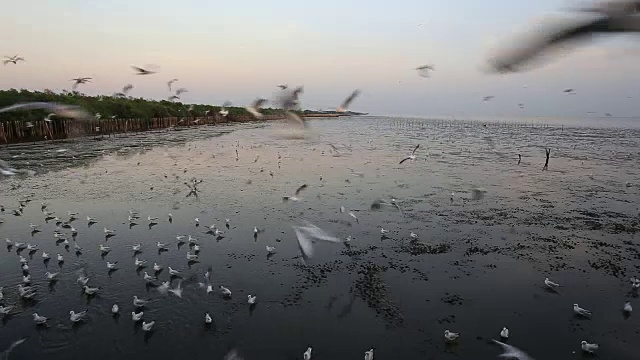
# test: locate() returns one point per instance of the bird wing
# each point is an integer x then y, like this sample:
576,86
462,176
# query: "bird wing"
294,119
349,99
305,244
518,57
414,150
405,159
512,352
138,69
302,187
258,103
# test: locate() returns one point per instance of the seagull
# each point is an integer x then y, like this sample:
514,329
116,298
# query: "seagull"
141,71
295,197
104,249
383,231
283,86
413,235
156,267
4,310
295,119
60,258
162,246
13,59
589,348
254,108
26,279
136,317
111,266
192,240
550,284
139,302
23,260
77,247
152,220
90,291
170,82
192,257
81,80
609,20
108,231
354,216
450,336
368,355
180,91
635,284
115,309
580,311
178,290
271,249
83,280
173,98
411,157
39,320
309,234
67,111
136,248
225,292
91,220
1,294
504,333
425,70
251,299
307,354
207,318
77,317
25,267
148,278
627,307
223,111
51,276
512,352
173,272
488,98
139,263
147,326
345,104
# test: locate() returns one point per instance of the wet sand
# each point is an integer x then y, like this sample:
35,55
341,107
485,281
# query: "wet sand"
478,265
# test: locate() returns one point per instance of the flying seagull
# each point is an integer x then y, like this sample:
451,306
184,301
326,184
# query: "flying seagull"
81,80
347,101
611,17
13,59
412,156
180,91
488,98
170,82
295,197
141,71
425,70
124,92
308,235
223,111
283,86
173,97
294,118
254,108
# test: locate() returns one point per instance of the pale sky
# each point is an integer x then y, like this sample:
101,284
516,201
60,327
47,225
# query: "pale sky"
239,50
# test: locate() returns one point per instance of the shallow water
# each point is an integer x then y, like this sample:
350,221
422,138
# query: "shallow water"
478,265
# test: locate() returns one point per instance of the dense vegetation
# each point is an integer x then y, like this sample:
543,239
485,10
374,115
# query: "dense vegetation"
107,106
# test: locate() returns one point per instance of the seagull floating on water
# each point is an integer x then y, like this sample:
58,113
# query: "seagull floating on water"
136,317
451,336
550,284
589,348
139,302
39,320
225,292
76,317
580,311
368,355
251,299
307,354
504,333
147,326
207,318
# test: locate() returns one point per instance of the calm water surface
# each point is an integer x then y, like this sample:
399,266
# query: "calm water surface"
478,265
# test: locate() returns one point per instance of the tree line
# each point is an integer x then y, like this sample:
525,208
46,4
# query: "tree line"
109,106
